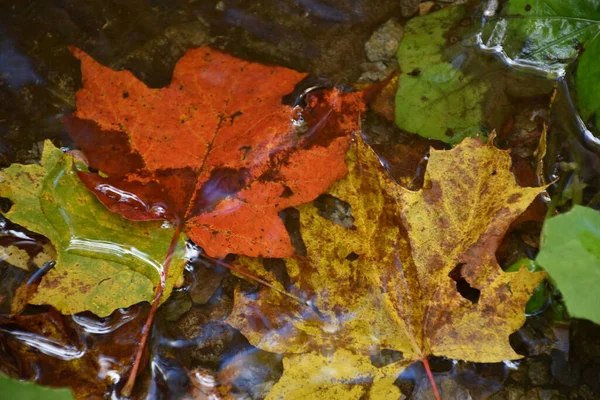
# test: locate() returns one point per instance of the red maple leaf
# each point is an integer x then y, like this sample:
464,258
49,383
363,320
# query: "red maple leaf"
216,148
216,151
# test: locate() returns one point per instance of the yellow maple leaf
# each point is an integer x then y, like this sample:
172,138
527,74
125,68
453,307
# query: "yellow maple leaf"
387,282
343,375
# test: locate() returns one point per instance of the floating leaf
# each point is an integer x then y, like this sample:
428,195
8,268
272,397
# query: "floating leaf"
571,254
14,389
104,261
217,147
436,98
375,286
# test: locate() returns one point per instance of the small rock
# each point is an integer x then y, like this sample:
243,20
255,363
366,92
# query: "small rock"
209,337
425,8
591,376
252,373
207,280
565,371
408,8
539,373
178,304
383,43
375,72
448,387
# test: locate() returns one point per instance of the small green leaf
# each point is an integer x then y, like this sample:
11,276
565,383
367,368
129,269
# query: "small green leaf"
104,261
547,36
543,34
435,99
539,298
571,254
587,76
21,390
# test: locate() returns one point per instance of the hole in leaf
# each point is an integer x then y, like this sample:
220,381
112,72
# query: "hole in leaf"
335,210
462,286
277,267
352,256
287,192
291,220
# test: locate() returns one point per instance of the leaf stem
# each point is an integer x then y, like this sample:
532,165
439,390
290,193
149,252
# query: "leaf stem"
254,278
128,388
430,376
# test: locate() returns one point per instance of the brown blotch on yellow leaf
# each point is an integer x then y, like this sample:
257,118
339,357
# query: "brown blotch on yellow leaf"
395,280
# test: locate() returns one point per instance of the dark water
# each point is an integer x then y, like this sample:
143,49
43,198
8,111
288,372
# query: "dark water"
193,351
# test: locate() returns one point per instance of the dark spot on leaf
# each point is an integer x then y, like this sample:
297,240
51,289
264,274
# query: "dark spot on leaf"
528,7
462,286
415,72
287,192
424,98
449,132
125,95
233,116
514,198
494,172
352,256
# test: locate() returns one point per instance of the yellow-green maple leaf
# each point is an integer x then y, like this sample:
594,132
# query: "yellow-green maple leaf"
104,261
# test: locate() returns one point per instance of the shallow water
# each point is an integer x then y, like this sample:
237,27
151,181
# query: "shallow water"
192,350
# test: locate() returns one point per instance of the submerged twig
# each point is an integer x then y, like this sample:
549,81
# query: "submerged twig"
127,389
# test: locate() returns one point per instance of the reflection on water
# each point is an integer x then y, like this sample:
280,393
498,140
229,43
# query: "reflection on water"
38,77
46,345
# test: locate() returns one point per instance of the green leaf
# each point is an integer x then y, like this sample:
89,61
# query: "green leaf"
21,390
544,34
539,298
571,254
104,261
547,36
435,98
587,76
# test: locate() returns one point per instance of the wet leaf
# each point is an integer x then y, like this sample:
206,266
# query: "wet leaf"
436,98
548,36
545,35
85,353
571,254
15,389
587,76
103,261
343,375
14,256
217,147
540,296
376,285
